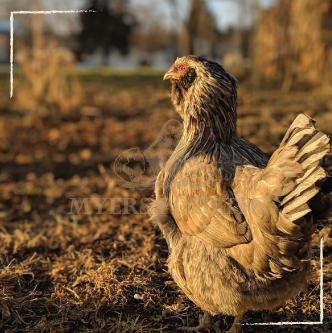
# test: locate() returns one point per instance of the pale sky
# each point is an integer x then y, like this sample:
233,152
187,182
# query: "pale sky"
226,12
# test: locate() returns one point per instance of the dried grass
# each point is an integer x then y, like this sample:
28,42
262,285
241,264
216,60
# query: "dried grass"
108,273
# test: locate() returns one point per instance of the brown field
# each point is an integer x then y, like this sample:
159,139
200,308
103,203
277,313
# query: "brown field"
80,273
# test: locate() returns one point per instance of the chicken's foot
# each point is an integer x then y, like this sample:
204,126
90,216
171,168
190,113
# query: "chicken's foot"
237,325
206,322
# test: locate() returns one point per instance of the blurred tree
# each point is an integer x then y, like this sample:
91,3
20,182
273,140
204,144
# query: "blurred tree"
151,39
201,28
110,27
151,35
192,23
256,77
292,53
176,20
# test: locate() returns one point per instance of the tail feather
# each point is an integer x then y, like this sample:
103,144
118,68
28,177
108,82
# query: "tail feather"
301,123
288,189
305,184
299,159
298,207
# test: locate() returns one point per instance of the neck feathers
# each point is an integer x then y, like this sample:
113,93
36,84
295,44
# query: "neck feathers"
208,105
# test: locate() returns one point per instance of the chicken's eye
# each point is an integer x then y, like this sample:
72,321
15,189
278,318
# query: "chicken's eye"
183,68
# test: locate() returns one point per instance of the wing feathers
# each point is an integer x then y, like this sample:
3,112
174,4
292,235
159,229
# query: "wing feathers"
262,221
279,197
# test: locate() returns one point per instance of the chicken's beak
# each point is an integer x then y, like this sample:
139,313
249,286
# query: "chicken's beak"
169,74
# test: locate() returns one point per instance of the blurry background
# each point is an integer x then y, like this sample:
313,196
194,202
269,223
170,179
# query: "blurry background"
87,87
271,42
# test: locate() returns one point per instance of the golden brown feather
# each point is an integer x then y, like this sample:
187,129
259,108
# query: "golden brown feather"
238,224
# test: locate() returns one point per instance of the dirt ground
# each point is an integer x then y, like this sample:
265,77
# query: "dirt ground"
62,272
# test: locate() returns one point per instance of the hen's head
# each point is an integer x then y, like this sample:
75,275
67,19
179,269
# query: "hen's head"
205,96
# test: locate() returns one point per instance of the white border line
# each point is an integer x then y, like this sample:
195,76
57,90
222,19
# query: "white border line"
12,33
321,301
11,95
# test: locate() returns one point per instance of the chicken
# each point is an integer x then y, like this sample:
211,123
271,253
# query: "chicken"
237,222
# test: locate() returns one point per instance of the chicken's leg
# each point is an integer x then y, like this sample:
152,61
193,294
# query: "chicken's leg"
237,325
206,322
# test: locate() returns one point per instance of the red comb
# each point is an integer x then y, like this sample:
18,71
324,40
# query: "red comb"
174,63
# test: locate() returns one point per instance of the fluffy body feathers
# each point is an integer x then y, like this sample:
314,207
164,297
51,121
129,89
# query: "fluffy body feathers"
238,223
